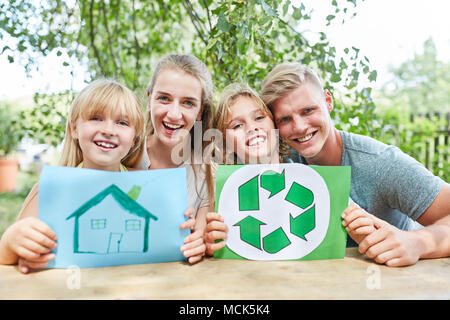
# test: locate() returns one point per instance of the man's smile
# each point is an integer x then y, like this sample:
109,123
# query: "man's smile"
305,138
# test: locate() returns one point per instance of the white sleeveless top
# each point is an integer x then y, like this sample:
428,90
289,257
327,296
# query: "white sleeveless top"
197,187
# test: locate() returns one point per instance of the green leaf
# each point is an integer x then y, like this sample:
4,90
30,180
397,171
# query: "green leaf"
366,93
266,29
211,44
245,32
286,8
265,19
241,44
219,47
223,24
373,76
306,60
342,64
268,9
297,14
335,78
5,48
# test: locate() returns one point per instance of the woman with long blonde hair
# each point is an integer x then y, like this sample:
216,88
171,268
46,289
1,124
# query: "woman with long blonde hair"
180,110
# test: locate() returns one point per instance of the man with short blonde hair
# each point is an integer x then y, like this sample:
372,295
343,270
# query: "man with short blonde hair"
286,77
391,189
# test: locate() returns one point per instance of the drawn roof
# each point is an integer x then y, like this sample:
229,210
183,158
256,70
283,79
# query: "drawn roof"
121,197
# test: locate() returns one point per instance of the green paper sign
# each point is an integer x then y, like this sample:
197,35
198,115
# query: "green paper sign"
282,211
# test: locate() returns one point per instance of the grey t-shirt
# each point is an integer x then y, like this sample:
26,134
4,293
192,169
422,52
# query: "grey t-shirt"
385,181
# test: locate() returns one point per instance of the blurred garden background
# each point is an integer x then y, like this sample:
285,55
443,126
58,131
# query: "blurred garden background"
387,64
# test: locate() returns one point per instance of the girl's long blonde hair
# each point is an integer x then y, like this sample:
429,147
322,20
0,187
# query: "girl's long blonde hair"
98,97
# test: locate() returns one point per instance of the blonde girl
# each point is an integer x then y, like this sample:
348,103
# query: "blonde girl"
249,136
99,102
247,126
105,131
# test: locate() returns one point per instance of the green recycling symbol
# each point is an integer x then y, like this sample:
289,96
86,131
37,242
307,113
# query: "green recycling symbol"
249,200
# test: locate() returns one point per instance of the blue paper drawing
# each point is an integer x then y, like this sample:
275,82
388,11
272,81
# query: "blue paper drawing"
126,231
104,218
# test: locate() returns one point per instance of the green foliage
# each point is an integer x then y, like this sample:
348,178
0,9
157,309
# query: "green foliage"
11,202
46,121
10,129
423,138
238,40
358,116
422,83
10,205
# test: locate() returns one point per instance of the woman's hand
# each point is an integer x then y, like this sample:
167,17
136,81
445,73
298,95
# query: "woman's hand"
357,222
216,229
194,245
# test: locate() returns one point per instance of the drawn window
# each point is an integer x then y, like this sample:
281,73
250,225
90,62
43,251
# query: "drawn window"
97,224
133,225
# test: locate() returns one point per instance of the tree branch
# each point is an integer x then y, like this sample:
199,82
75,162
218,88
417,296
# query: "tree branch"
189,9
208,15
108,37
92,37
137,47
288,25
117,15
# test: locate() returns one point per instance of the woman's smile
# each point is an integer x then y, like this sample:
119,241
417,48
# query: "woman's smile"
174,109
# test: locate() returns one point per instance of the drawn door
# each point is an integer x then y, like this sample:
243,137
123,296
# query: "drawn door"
114,242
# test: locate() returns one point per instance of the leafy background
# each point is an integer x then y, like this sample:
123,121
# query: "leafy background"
239,41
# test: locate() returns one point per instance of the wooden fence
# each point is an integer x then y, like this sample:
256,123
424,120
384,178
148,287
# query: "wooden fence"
435,150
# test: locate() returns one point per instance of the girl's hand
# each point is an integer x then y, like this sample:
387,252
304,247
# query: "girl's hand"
40,262
216,229
30,239
358,222
194,245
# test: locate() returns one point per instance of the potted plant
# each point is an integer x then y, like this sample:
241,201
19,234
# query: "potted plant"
10,137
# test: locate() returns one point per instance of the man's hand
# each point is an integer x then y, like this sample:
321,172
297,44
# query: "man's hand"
391,246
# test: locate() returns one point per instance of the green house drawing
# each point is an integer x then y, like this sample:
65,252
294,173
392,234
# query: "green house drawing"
111,222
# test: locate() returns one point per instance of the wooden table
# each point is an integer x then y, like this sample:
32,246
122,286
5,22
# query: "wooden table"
354,277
